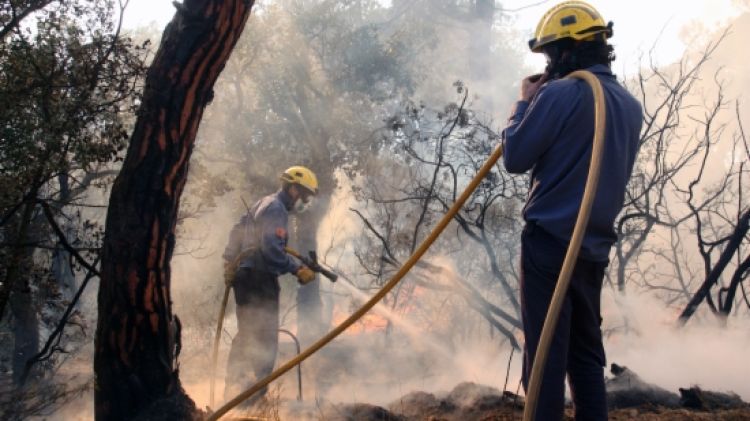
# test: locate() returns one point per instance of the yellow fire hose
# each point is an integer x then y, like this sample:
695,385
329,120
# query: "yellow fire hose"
217,337
560,291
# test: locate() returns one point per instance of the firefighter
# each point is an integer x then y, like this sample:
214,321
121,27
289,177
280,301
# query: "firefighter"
550,132
254,258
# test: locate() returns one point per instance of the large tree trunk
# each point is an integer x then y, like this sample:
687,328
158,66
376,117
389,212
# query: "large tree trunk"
137,337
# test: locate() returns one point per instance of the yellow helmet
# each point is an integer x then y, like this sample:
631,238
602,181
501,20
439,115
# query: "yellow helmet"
570,19
302,176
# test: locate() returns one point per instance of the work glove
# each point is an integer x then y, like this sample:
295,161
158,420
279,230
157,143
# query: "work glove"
228,275
305,275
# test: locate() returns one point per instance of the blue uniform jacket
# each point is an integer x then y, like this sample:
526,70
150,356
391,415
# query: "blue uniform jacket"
552,136
264,228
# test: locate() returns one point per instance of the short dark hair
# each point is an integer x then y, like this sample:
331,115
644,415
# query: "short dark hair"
568,55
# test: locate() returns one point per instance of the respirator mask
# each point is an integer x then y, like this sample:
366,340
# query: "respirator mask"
302,204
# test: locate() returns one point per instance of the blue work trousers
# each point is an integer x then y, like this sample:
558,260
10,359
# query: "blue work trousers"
576,348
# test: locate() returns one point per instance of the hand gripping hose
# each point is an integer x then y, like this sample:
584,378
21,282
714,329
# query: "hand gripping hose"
418,253
571,256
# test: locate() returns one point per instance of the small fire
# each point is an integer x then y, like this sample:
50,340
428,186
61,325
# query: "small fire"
370,322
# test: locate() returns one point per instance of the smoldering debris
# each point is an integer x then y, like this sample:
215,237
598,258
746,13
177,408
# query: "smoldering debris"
466,401
362,412
626,390
705,400
629,396
416,404
468,394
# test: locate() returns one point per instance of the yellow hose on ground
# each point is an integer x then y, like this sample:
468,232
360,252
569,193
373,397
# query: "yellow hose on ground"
571,256
420,251
217,337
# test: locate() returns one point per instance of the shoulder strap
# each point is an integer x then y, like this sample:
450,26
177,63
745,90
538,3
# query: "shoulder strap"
251,227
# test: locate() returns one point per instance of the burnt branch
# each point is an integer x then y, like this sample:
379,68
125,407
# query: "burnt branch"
740,231
64,241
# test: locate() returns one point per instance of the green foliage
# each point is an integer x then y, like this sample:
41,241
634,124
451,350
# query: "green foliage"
69,84
67,91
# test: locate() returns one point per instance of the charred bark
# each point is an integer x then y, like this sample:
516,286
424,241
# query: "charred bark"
740,274
137,336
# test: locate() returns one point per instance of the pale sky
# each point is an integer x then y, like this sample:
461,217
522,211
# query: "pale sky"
637,23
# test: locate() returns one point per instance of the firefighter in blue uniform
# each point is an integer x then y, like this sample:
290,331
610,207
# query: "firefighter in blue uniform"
550,132
254,258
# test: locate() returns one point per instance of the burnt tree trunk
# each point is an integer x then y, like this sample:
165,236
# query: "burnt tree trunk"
740,273
137,337
735,240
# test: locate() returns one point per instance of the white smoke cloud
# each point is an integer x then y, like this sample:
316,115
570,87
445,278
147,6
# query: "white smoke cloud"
704,352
